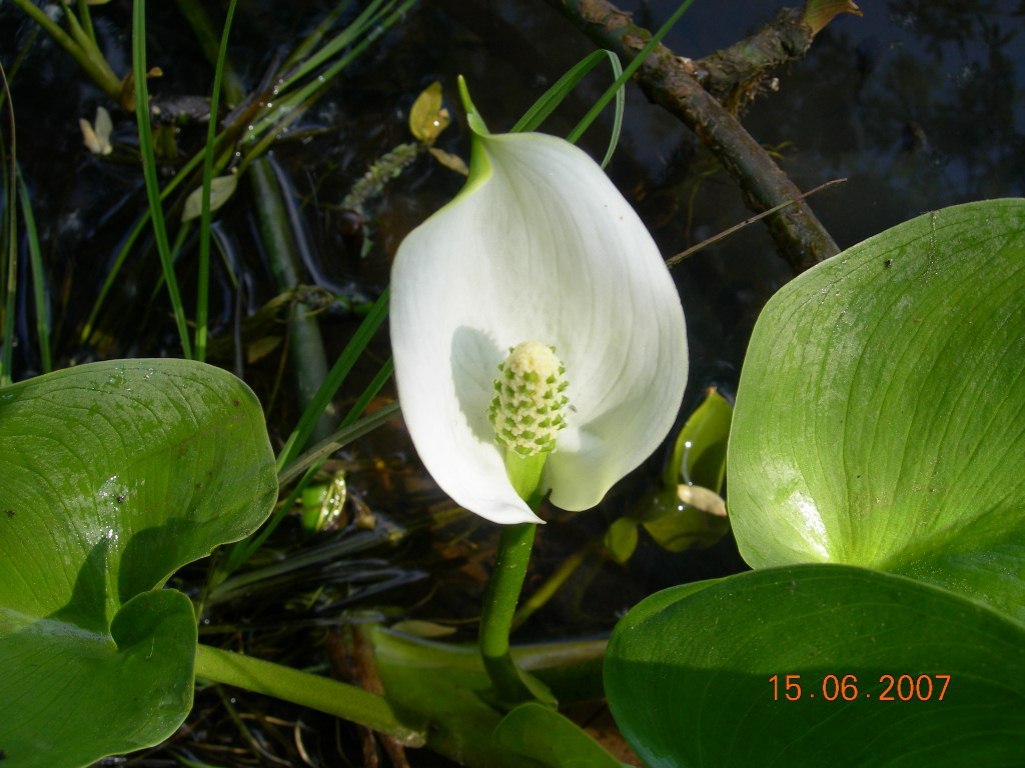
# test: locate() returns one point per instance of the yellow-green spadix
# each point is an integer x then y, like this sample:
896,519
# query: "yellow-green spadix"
538,251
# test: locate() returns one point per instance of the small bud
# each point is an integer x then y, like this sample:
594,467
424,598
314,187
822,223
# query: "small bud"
527,408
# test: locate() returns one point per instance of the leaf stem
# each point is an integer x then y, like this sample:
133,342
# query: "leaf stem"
323,694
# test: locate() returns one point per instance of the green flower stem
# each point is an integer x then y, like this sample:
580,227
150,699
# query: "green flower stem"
503,592
320,693
500,601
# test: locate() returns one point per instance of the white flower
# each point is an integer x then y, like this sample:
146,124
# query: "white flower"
538,247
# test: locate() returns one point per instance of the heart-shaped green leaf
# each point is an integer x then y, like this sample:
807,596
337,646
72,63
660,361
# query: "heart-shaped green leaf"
880,418
700,675
114,475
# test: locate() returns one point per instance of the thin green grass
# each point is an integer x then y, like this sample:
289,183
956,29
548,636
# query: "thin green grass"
307,465
361,25
203,276
290,107
635,64
149,168
9,281
336,376
284,111
309,44
79,45
39,293
555,95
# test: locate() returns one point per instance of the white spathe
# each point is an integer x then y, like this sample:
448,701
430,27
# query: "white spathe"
539,246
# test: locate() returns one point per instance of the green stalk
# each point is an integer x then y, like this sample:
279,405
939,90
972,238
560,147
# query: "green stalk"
506,583
203,278
627,73
38,276
87,21
500,598
149,169
305,344
320,693
10,282
92,62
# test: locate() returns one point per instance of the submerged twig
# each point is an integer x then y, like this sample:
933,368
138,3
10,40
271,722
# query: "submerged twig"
672,261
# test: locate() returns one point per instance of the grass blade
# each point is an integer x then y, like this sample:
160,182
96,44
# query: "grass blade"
9,283
149,169
554,96
367,18
290,107
335,378
627,73
38,276
353,427
312,40
339,439
203,278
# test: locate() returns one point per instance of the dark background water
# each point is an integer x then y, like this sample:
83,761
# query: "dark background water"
917,104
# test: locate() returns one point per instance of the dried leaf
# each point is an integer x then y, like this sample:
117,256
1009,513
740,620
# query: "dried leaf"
96,137
450,161
221,190
704,499
261,348
428,118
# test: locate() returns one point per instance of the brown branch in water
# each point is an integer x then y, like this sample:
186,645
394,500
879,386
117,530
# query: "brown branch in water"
735,74
666,79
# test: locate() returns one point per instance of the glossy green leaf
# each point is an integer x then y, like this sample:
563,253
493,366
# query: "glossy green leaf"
114,475
688,674
699,453
880,418
698,458
541,733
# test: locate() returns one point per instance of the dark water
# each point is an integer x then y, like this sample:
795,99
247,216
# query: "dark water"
917,104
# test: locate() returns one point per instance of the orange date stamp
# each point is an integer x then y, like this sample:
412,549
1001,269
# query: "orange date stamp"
846,688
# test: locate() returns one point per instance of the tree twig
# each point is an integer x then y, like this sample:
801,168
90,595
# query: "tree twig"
666,79
672,261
